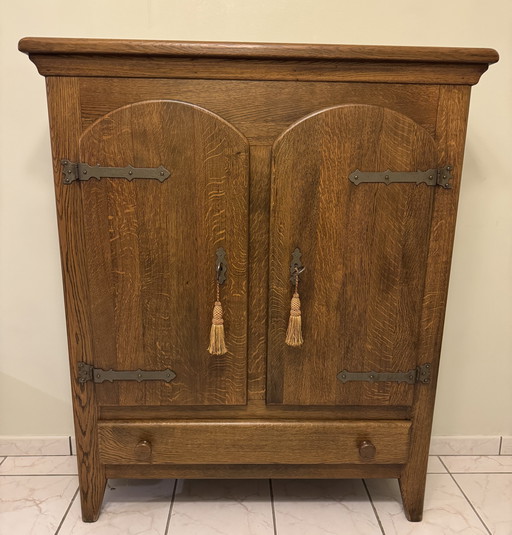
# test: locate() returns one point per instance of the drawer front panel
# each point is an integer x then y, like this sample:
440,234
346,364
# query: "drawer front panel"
255,442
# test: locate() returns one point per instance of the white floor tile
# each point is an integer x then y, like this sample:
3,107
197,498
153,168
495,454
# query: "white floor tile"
321,507
435,466
130,507
34,505
41,465
446,512
465,445
215,507
486,464
491,495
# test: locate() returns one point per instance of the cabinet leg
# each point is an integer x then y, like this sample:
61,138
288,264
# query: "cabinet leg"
412,488
91,495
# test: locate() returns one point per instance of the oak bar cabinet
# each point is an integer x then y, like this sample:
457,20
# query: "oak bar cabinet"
188,173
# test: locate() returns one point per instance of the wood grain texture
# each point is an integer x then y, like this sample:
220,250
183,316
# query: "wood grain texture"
132,47
255,442
452,120
171,59
258,270
260,110
253,471
138,257
64,114
257,409
256,69
151,252
364,248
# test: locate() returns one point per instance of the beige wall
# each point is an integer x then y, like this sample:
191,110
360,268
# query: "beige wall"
475,393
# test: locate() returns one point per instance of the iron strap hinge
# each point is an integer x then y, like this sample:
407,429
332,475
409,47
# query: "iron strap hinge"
73,171
421,374
87,372
431,177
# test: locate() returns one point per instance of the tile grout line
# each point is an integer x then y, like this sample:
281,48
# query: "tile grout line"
70,447
67,510
167,525
501,444
373,507
467,499
272,506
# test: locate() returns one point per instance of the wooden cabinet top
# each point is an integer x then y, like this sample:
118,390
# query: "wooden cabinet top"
257,61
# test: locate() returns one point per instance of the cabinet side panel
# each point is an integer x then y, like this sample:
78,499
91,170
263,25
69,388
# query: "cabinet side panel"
64,115
451,133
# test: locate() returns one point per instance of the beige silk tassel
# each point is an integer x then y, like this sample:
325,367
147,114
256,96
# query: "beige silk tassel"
217,342
294,331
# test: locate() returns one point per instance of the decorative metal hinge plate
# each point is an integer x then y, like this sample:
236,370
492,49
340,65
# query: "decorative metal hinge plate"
87,372
81,171
431,177
421,374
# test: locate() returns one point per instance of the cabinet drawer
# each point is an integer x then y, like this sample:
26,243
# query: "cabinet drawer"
254,442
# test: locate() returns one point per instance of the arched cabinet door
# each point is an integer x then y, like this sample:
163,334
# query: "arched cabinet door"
364,248
151,253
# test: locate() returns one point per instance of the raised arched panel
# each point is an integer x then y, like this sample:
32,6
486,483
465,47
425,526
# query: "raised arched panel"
151,249
364,248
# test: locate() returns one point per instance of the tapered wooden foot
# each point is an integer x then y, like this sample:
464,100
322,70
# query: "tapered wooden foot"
412,489
91,496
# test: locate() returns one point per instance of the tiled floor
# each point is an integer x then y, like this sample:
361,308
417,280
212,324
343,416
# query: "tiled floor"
465,495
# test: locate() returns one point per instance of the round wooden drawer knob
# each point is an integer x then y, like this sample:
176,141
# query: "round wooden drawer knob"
367,450
143,450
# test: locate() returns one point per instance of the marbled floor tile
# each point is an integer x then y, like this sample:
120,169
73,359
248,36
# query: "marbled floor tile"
481,464
446,511
130,507
34,505
222,507
435,466
491,495
323,507
41,465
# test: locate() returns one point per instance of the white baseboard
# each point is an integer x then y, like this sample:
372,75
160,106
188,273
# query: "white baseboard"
464,445
35,445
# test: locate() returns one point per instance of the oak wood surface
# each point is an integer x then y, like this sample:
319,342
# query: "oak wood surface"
451,125
255,442
256,408
236,69
145,48
64,114
381,307
260,110
364,248
151,252
254,471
